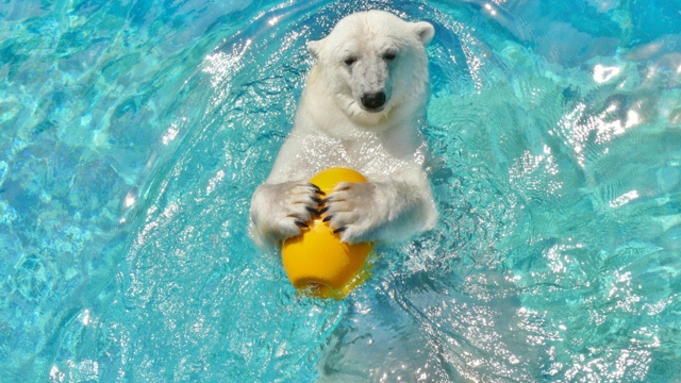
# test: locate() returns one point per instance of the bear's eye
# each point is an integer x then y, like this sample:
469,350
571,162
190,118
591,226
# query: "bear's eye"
389,56
350,60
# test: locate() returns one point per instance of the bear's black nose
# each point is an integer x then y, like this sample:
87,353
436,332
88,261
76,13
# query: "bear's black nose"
373,101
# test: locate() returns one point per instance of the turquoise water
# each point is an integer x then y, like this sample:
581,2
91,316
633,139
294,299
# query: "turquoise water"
132,135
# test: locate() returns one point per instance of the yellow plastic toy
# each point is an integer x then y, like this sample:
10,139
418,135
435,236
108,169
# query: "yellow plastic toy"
317,261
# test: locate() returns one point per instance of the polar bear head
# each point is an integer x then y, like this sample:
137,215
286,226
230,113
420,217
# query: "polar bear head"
374,65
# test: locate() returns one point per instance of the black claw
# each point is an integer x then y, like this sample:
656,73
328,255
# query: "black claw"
317,200
324,210
313,211
327,219
302,224
316,188
340,230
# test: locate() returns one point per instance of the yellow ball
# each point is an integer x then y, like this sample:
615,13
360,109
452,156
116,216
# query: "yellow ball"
317,261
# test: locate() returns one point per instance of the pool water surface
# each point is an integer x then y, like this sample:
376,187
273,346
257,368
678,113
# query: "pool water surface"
133,134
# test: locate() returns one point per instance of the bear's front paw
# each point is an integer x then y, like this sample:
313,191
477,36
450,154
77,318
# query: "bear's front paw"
279,211
354,210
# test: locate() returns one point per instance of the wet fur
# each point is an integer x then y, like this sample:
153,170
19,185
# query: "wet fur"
332,128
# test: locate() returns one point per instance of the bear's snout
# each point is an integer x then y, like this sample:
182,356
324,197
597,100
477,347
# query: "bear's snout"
373,102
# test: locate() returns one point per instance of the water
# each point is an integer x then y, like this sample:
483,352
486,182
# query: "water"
132,135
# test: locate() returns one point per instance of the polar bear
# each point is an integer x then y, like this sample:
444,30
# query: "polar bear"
359,109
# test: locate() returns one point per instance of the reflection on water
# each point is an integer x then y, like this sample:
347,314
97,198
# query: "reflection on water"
134,134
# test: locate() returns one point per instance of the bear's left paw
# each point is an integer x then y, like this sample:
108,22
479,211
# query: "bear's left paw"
353,210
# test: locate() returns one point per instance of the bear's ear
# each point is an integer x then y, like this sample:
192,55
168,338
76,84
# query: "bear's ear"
313,48
424,30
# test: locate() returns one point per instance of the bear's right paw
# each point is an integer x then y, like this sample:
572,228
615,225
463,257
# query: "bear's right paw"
279,211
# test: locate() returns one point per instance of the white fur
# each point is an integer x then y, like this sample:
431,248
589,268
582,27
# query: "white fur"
332,128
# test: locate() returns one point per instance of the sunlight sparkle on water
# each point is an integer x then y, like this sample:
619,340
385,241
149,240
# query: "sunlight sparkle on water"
86,317
624,199
223,65
490,9
273,21
603,74
170,134
129,200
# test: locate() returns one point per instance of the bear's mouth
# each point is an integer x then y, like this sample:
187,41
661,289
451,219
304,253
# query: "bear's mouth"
373,110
